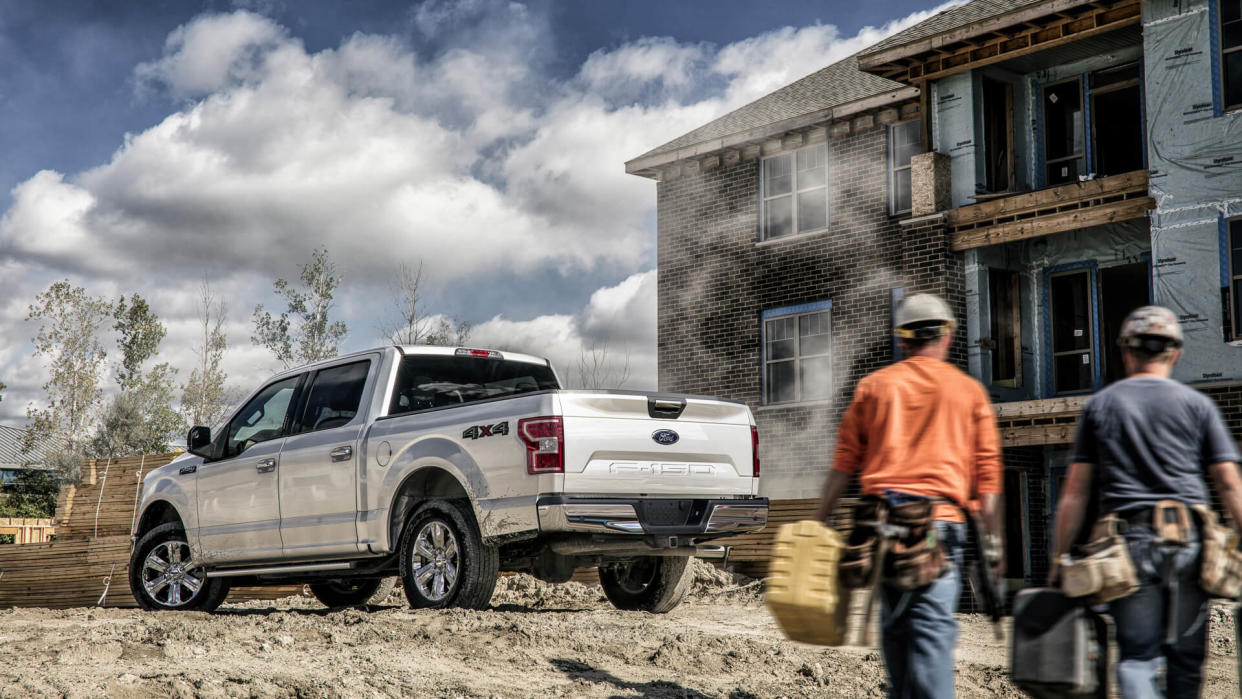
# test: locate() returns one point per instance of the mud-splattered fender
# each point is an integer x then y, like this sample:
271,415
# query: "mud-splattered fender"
169,486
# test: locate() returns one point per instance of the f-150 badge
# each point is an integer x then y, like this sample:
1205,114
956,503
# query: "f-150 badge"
485,430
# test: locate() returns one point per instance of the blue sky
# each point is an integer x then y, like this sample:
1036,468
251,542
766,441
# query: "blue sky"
149,144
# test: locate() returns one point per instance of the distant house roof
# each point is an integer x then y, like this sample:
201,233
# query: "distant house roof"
12,454
814,98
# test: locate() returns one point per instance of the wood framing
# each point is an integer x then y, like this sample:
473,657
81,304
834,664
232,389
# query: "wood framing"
984,43
1047,211
1035,422
27,531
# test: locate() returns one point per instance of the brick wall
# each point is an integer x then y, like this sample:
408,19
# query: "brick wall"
715,279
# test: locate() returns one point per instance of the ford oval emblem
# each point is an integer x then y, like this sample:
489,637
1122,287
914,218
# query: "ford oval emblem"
665,437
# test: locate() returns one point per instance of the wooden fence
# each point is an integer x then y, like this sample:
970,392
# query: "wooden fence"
27,530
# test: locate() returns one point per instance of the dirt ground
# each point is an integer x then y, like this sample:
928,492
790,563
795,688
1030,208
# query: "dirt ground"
537,640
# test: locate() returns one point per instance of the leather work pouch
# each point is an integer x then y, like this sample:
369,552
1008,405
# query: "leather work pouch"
916,558
1170,520
1221,572
856,568
1104,570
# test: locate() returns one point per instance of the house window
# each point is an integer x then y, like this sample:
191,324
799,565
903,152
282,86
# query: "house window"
1006,322
998,135
795,192
1064,144
1116,121
1231,52
1073,332
904,140
1235,275
796,354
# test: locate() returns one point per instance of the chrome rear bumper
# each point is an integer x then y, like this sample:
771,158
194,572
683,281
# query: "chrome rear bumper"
640,516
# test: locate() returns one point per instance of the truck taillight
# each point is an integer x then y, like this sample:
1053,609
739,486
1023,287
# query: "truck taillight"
545,444
754,449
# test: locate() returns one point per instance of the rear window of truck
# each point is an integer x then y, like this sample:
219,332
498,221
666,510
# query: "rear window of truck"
425,382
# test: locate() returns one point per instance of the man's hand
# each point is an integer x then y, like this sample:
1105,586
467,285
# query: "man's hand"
834,485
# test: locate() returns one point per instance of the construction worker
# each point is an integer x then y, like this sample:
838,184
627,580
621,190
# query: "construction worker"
922,429
1141,442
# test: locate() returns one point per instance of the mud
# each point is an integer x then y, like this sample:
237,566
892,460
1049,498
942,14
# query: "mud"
536,640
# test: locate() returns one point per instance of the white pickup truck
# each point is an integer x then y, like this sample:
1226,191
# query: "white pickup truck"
445,466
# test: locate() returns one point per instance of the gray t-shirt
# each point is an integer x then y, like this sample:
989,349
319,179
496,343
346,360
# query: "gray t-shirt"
1150,440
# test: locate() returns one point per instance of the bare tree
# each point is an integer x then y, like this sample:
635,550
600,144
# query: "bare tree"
68,339
205,398
303,333
598,369
410,324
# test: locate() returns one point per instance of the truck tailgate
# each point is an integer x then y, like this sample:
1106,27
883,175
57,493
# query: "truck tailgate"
627,444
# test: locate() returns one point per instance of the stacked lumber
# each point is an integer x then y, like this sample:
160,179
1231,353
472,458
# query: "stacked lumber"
88,563
749,553
103,503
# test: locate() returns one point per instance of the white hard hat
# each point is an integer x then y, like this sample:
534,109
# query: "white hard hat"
923,310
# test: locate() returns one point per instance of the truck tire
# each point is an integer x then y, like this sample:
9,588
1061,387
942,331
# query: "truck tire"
353,592
161,580
444,562
653,584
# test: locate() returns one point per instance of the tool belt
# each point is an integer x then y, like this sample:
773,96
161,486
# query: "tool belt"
1220,574
895,544
1103,571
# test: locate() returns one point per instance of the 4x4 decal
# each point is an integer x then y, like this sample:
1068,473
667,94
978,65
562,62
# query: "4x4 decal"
485,430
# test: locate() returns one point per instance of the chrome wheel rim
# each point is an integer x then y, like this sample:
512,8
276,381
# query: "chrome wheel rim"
170,576
437,561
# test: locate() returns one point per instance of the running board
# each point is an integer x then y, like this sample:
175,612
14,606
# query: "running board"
276,570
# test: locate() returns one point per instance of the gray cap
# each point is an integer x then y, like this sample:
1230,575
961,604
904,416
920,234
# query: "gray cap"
1151,321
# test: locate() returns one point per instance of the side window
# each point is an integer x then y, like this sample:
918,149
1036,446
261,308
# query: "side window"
795,192
1234,232
797,355
1231,52
904,141
334,398
261,419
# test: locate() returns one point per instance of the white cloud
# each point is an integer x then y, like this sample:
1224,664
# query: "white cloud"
465,154
618,320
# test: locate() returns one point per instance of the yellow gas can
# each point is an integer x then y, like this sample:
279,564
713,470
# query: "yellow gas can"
802,588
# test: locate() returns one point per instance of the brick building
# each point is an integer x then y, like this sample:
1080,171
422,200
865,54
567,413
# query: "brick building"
1046,165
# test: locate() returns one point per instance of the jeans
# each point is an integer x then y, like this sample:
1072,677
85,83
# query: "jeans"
1168,585
918,629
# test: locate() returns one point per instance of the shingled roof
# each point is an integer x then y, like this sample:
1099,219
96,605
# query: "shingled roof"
837,84
12,453
817,94
948,20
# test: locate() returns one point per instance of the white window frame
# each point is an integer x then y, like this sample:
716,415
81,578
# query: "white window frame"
793,193
796,313
893,168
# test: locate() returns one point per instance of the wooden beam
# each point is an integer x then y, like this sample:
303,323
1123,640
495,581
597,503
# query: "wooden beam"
1000,22
1018,39
1032,202
1097,215
1039,408
1036,435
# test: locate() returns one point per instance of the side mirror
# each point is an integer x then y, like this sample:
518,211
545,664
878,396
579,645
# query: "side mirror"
198,441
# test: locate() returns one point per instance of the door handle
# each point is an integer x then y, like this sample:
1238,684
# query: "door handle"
265,465
341,453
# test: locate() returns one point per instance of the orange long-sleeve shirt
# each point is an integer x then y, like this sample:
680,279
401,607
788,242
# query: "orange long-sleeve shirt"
923,427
